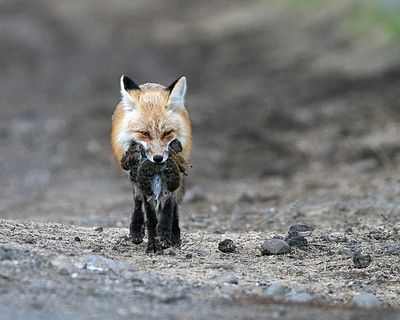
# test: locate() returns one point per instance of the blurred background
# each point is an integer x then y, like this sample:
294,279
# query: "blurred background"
275,88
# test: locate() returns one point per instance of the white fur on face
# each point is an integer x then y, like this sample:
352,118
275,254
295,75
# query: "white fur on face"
176,117
125,138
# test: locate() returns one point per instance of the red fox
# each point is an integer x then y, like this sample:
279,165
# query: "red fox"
153,116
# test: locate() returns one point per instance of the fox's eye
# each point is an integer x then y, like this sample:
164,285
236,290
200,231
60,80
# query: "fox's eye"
167,133
145,133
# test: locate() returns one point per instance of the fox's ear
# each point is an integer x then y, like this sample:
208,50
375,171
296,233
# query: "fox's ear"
127,84
177,94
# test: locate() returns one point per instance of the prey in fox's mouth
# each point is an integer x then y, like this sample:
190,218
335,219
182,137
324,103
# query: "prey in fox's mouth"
155,179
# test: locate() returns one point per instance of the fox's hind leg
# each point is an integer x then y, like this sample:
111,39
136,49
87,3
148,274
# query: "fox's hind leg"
136,228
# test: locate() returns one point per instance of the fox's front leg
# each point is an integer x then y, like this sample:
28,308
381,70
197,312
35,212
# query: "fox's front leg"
164,227
151,225
176,231
136,228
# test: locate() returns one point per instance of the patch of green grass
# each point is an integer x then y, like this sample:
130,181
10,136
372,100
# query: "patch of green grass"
308,4
374,16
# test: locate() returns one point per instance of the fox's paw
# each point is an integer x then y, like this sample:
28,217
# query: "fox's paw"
136,233
163,243
136,238
176,241
151,247
154,247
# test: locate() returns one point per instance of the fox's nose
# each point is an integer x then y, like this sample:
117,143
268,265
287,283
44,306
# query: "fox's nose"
157,158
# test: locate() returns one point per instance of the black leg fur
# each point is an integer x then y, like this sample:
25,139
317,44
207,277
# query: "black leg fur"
151,226
164,226
176,231
136,228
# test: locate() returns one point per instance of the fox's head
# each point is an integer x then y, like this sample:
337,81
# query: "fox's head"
155,116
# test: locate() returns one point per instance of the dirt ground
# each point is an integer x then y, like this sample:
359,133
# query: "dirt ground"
295,119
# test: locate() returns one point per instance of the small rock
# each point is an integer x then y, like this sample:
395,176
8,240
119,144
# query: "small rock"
228,278
100,263
296,240
335,237
63,272
275,290
4,254
393,249
379,234
202,253
274,246
361,261
63,264
171,253
77,239
226,246
188,256
298,227
29,239
219,231
96,249
365,300
365,165
99,229
299,297
380,275
221,266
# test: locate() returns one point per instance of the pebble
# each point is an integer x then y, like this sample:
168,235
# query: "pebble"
63,264
188,256
365,300
394,249
63,272
99,229
296,240
202,253
4,254
96,249
99,263
299,227
380,275
226,246
274,246
77,239
275,290
298,297
361,261
171,253
228,278
29,239
221,266
335,237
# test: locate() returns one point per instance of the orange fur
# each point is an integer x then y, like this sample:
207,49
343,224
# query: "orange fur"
150,112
